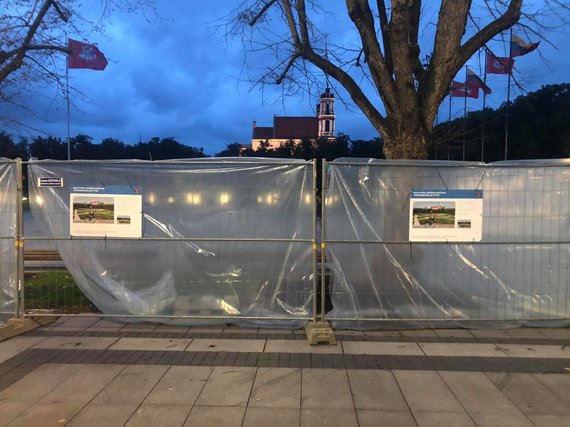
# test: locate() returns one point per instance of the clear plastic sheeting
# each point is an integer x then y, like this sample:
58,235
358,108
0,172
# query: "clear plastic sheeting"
220,237
517,274
8,234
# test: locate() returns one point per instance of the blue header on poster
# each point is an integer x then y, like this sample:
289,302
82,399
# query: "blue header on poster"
108,189
447,194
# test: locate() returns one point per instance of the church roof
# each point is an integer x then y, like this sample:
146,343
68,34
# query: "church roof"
295,127
262,132
289,128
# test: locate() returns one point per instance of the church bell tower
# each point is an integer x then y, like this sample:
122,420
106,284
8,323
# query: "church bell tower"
325,112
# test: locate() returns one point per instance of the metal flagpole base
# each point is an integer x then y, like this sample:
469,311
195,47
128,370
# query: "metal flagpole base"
320,333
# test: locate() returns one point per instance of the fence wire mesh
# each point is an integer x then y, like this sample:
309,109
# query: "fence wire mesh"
227,240
8,238
517,272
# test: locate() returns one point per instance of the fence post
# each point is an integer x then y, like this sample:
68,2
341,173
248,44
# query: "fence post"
314,244
318,330
323,236
19,310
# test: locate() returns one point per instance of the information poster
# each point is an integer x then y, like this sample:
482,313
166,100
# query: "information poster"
446,215
111,211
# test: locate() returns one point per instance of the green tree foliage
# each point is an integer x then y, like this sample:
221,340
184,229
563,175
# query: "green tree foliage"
82,147
48,148
341,146
232,150
539,128
10,149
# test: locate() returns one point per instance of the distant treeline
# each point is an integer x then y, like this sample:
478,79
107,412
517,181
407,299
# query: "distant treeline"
539,127
82,147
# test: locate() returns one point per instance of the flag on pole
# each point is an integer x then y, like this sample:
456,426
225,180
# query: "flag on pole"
475,81
461,90
519,47
84,55
498,65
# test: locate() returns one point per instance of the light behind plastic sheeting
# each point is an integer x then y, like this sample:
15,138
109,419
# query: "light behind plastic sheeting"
8,233
519,272
229,199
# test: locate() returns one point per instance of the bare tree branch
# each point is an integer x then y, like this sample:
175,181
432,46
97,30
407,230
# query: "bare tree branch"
384,30
266,5
17,59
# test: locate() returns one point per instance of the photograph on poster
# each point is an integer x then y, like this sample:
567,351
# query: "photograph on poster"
94,209
433,215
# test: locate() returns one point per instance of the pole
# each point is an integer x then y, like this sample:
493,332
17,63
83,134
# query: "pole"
483,113
449,122
323,235
67,104
315,275
435,141
19,294
508,99
464,112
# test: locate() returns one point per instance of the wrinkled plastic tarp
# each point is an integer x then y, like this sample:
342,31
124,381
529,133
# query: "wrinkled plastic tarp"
8,233
229,199
519,272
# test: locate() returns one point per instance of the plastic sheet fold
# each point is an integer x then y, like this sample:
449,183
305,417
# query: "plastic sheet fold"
220,237
517,274
8,234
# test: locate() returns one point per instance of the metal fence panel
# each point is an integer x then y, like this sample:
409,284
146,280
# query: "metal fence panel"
8,237
221,238
518,272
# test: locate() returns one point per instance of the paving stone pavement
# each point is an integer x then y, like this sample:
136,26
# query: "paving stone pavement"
87,371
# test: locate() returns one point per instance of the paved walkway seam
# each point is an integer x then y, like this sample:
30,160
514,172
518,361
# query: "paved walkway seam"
16,367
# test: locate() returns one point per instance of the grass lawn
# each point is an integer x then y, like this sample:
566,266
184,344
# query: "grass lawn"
54,290
102,214
440,218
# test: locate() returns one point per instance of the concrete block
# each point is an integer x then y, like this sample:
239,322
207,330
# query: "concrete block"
320,333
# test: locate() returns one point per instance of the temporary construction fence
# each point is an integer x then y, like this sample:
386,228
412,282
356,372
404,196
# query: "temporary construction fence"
190,240
502,255
412,243
10,211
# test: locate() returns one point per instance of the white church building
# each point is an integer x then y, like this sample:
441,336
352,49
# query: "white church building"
297,128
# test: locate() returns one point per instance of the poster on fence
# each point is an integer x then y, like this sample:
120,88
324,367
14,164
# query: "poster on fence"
111,211
446,215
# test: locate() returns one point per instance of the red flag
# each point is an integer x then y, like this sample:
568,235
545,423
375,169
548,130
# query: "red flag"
475,81
498,65
461,90
85,55
519,47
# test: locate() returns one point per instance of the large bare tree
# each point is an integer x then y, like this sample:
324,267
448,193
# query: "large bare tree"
404,91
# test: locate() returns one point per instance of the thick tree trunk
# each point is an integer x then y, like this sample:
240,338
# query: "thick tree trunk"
407,140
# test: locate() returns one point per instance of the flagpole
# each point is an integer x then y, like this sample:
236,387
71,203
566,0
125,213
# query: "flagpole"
508,96
449,122
483,113
435,125
67,102
464,112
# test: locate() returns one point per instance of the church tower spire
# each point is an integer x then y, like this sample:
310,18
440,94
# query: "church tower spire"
326,115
